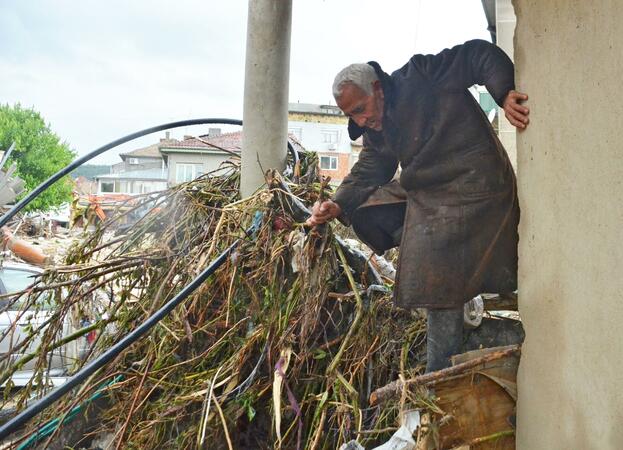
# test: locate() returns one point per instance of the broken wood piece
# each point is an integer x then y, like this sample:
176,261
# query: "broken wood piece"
481,402
394,389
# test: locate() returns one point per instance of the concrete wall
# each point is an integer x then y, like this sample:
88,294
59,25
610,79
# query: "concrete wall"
309,130
569,57
312,137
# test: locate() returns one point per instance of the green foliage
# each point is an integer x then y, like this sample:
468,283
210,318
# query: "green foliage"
38,153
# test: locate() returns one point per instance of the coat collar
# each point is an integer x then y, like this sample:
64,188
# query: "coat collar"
354,130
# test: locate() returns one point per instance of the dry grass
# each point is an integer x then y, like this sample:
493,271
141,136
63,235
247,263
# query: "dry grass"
204,377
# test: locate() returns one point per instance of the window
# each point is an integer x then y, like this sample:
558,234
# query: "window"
121,187
328,162
137,187
330,136
107,186
187,171
297,133
133,161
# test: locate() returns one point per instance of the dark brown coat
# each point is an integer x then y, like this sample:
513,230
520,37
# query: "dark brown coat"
460,229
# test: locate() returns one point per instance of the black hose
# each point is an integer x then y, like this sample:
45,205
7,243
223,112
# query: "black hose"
32,410
7,154
35,408
295,160
78,162
295,154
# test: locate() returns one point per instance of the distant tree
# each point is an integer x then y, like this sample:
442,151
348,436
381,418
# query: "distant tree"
38,154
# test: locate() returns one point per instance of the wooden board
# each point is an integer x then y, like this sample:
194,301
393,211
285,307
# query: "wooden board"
478,404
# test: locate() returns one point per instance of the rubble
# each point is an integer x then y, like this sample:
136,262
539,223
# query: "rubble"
281,348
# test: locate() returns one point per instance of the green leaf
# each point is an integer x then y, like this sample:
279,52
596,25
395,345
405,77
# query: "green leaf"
250,412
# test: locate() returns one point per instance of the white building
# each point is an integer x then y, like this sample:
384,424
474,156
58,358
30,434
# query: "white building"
323,129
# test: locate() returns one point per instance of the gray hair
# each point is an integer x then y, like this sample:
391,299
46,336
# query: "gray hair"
361,75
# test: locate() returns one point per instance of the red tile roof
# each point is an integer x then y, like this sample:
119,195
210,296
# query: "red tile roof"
228,141
151,151
231,142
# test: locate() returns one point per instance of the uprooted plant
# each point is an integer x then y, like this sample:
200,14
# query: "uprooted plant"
280,348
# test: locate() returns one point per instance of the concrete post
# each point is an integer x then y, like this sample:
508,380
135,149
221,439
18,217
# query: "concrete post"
267,74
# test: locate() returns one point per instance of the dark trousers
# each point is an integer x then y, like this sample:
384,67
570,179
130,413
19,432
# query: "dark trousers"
379,223
444,337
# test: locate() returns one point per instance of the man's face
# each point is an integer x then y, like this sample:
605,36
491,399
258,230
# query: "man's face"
365,110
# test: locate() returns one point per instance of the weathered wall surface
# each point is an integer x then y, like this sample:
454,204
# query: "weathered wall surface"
569,59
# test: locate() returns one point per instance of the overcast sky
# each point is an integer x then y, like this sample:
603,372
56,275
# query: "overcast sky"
98,70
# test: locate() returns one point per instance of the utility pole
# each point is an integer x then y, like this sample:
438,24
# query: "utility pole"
267,75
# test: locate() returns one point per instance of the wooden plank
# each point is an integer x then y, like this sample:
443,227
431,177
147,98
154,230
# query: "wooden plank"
478,407
477,404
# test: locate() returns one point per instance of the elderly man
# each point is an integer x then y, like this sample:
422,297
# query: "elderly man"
454,210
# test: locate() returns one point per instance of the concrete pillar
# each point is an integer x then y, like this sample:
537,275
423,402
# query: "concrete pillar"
267,74
568,56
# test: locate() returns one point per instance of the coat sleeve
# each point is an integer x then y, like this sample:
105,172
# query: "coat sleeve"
475,62
373,169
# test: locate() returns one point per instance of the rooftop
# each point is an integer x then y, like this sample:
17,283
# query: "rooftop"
231,142
228,141
151,151
310,108
215,142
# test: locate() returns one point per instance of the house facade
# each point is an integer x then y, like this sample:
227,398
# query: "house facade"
169,162
133,182
323,129
140,171
194,156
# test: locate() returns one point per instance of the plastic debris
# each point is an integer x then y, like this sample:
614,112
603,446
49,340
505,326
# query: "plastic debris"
473,312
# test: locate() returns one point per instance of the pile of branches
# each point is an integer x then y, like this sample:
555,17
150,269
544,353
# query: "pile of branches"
280,348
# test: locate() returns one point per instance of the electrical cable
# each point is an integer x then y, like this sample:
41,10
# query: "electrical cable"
35,408
32,410
78,162
53,424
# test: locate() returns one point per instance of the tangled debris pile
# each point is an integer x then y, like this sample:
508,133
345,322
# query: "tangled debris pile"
281,348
